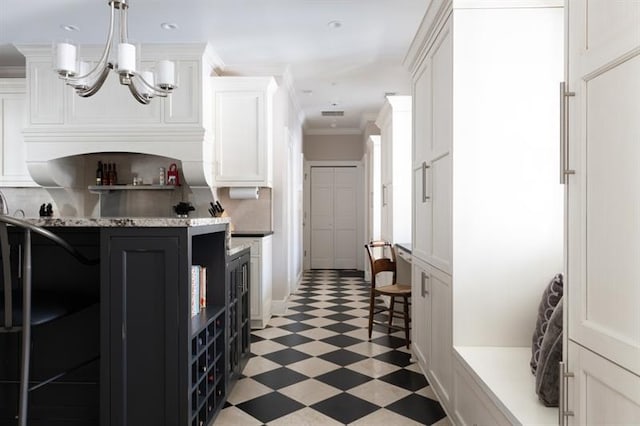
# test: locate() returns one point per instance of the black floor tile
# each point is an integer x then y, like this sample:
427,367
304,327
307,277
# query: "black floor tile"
286,356
296,327
340,327
418,408
302,308
292,340
345,408
401,359
342,357
341,340
340,308
343,378
341,317
390,341
405,379
279,378
299,317
255,339
270,406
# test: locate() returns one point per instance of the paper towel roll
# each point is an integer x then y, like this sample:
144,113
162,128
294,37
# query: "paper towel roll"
243,193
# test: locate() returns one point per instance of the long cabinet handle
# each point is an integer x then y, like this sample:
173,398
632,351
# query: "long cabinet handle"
563,395
425,166
564,133
384,195
423,279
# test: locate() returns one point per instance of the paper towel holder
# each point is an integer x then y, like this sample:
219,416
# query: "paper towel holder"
244,192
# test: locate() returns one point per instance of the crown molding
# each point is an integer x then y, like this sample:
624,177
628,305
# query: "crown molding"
334,132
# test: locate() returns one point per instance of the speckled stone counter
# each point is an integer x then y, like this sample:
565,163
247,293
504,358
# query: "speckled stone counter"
122,222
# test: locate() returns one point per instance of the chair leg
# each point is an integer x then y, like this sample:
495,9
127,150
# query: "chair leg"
372,304
26,333
391,310
406,320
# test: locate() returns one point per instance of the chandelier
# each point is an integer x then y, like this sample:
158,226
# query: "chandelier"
143,85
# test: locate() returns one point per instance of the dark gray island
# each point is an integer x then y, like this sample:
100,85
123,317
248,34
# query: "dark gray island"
158,364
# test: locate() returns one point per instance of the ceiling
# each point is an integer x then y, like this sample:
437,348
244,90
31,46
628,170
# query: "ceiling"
346,67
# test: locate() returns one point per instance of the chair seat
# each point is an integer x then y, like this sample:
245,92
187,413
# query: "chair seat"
45,307
394,290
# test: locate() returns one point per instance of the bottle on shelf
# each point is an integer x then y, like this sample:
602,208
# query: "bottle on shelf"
106,174
114,175
99,173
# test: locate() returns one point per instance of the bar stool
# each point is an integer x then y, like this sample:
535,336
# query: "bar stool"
21,307
382,257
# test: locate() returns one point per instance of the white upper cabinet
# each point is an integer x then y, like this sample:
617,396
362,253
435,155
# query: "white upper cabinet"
13,118
394,121
243,130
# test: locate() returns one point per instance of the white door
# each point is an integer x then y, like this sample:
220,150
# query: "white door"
334,217
603,272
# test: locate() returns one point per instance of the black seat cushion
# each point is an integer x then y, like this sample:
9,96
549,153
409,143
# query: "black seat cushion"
46,306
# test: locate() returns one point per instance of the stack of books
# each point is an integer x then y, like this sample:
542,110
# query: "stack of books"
198,289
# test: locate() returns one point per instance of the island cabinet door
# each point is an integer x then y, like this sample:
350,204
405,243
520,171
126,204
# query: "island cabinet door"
141,380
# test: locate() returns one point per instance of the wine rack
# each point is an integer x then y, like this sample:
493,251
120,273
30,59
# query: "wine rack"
207,379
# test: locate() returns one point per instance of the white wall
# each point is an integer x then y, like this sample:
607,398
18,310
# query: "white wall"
333,147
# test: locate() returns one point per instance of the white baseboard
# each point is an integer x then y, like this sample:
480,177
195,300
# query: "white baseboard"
278,307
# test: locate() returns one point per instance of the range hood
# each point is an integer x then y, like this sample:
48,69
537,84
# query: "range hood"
62,125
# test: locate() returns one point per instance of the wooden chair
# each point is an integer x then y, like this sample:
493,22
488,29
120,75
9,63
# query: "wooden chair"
21,307
383,259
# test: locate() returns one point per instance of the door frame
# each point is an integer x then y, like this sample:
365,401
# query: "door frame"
307,207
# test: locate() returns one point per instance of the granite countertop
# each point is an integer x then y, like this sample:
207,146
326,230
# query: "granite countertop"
122,222
236,248
250,234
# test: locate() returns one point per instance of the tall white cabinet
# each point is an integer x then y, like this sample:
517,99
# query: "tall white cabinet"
394,121
487,204
13,119
602,149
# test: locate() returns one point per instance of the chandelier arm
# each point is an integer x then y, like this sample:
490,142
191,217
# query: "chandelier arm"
156,90
138,96
102,64
91,90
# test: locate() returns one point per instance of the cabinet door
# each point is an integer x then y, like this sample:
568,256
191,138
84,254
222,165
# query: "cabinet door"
603,277
601,392
422,113
441,345
420,313
13,118
439,172
243,139
142,307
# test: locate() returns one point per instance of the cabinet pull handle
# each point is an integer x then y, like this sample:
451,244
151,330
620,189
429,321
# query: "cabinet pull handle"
423,289
563,395
425,166
384,195
564,133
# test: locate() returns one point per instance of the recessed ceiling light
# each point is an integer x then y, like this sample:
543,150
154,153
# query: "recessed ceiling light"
169,26
334,24
69,27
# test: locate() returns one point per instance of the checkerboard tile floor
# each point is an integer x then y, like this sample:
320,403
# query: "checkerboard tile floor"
316,366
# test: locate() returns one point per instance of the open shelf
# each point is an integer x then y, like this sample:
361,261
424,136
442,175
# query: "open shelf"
99,189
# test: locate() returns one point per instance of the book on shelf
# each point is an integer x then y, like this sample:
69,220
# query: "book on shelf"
195,290
203,287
